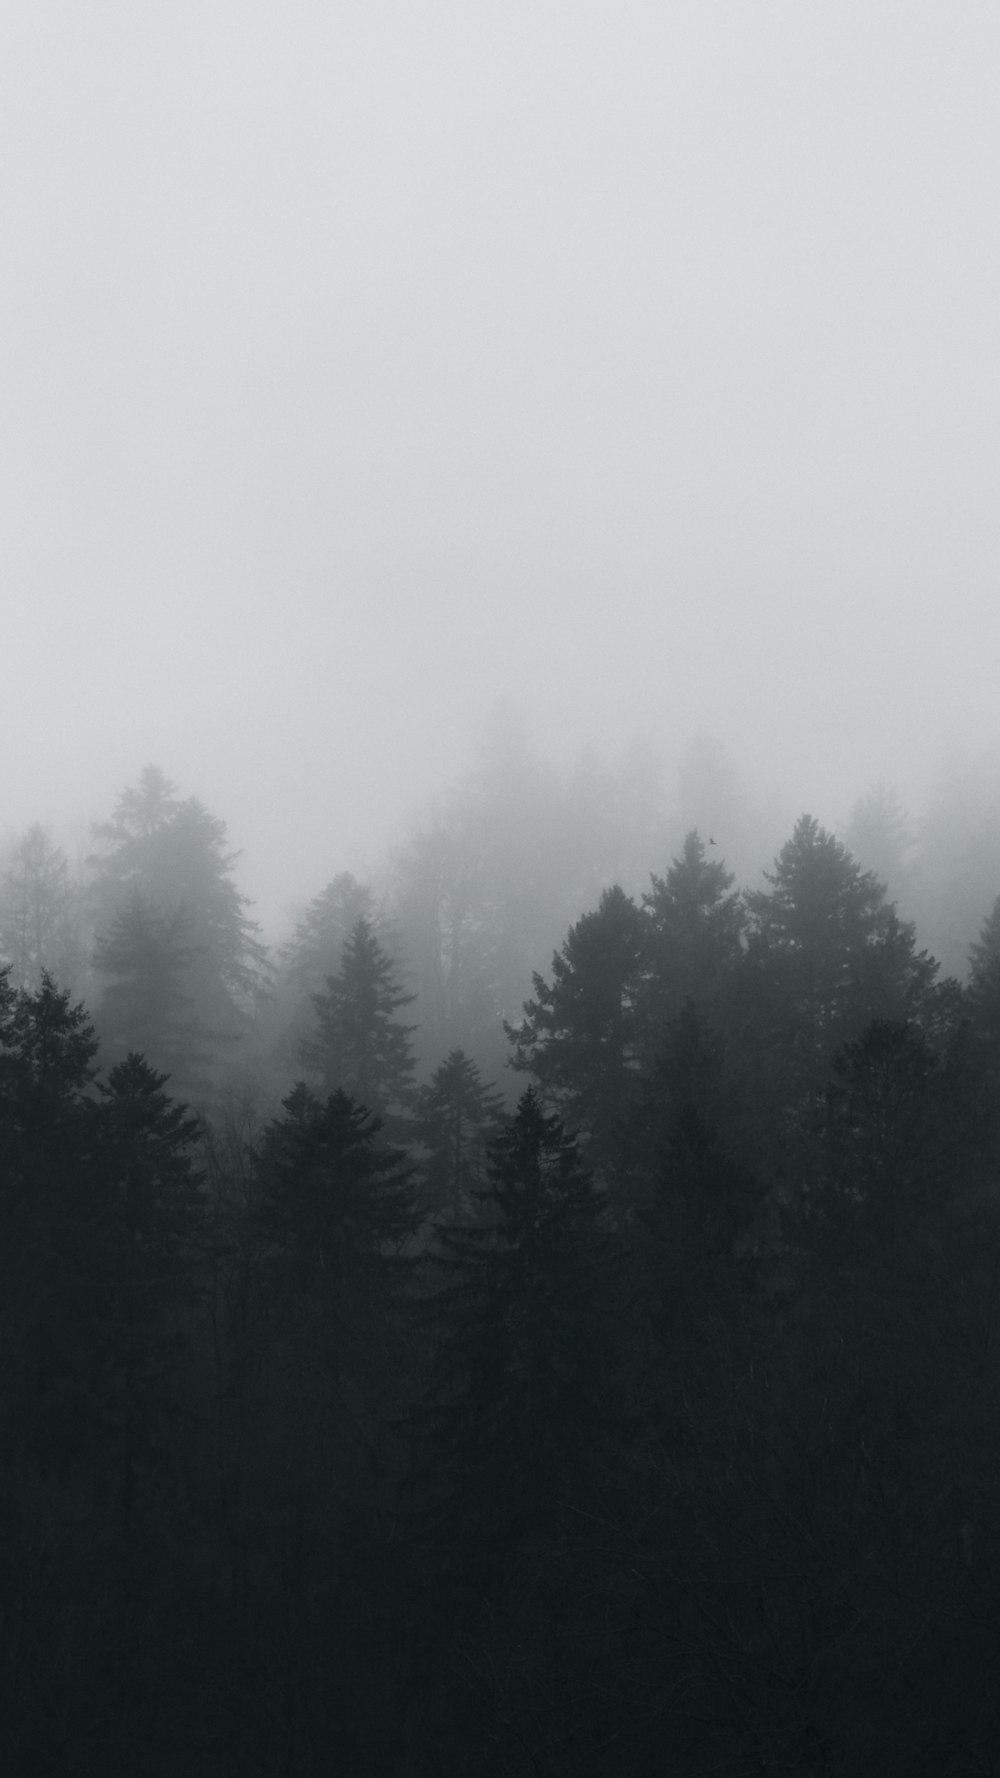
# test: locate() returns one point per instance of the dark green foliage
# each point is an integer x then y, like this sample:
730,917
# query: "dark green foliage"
454,1118
359,1046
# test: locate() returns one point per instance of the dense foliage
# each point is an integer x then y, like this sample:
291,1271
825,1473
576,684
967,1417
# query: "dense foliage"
381,1421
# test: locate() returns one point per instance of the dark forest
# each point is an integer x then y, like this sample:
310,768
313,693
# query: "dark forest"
536,1321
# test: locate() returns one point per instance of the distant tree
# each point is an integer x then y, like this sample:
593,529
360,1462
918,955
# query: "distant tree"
956,862
827,955
316,947
40,916
880,836
695,921
359,1046
454,1118
147,1006
579,1038
169,856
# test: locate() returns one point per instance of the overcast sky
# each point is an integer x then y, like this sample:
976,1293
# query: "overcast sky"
362,364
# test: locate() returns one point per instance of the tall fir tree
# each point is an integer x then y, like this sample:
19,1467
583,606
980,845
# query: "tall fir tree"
455,1116
579,1038
359,1046
41,926
523,1342
169,856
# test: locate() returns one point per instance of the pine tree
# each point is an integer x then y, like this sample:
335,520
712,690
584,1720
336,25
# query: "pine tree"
696,922
523,1341
359,1046
455,1117
147,1006
40,916
579,1037
336,1213
169,857
827,955
47,1050
143,1245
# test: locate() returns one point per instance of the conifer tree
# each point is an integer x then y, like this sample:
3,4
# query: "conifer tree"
40,914
336,1214
169,856
141,1268
455,1115
695,921
579,1038
827,954
523,1340
147,1006
359,1046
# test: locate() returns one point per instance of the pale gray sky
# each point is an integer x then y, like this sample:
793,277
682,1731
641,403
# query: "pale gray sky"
361,364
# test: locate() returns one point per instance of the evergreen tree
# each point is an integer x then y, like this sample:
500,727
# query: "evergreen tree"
147,1006
454,1118
523,1341
827,955
47,1050
316,947
696,922
40,917
359,1047
880,836
579,1037
169,856
337,1212
141,1267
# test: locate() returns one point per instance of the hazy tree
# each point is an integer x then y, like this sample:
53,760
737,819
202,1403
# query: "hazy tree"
827,955
147,1006
359,1046
579,1037
169,857
40,915
956,863
696,922
455,1117
880,836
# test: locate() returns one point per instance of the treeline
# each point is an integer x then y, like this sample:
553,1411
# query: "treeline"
398,1424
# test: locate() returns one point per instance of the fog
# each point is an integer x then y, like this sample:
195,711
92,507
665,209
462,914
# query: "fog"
366,366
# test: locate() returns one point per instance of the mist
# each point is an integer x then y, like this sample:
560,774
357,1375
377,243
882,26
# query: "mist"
364,368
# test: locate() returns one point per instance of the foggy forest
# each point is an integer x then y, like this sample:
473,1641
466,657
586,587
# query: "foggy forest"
499,889
535,1316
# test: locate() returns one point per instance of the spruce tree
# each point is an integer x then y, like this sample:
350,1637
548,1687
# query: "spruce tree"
168,856
523,1342
454,1118
359,1046
579,1038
